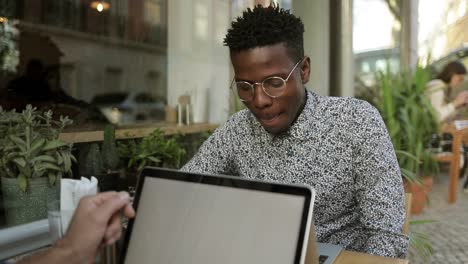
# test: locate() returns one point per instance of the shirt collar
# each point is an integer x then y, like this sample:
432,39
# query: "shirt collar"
302,129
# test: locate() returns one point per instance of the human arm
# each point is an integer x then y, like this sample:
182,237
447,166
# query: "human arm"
215,154
95,222
378,186
438,101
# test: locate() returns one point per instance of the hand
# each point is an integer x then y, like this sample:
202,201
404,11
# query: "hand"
96,222
461,99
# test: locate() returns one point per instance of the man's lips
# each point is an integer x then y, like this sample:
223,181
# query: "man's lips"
268,118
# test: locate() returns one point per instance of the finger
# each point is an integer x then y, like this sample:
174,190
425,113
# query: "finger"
114,238
114,226
128,211
100,198
110,206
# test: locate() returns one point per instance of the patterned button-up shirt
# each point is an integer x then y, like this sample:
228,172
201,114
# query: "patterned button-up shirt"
340,147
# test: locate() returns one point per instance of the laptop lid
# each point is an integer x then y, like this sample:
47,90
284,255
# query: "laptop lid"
195,218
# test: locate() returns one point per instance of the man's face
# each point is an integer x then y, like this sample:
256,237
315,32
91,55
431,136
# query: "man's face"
254,65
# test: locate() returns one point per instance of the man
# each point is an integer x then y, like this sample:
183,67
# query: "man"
339,146
96,222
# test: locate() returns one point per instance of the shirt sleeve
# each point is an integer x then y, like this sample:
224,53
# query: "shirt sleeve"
378,186
437,98
215,154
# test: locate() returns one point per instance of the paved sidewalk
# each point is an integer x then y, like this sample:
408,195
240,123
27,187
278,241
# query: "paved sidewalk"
449,235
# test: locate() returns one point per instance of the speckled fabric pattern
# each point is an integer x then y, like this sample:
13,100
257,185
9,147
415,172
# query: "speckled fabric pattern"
340,147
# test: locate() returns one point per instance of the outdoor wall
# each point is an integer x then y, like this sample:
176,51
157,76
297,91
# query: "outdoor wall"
198,63
316,15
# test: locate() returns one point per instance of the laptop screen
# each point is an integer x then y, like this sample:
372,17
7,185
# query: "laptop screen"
198,219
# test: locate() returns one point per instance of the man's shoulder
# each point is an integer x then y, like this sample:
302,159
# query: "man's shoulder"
239,119
345,106
236,123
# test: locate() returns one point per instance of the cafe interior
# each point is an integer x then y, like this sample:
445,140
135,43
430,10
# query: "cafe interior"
120,85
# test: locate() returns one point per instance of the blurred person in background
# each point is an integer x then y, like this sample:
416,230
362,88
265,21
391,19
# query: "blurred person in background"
440,91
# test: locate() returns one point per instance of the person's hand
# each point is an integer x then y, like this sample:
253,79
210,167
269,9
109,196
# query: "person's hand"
461,99
96,222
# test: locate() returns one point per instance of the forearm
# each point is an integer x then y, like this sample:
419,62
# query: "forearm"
443,109
388,244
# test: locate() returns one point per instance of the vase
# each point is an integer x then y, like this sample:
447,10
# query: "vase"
24,207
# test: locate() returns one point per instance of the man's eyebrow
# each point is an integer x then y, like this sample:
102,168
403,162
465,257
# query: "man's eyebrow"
282,75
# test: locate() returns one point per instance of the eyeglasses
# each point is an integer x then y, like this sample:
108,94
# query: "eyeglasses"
272,86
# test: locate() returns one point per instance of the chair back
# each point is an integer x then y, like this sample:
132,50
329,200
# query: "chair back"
405,229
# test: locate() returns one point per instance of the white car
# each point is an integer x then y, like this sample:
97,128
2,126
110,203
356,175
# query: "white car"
129,107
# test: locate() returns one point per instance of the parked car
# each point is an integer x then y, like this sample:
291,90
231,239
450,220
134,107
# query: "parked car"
129,107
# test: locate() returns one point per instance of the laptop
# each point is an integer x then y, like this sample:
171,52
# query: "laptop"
198,218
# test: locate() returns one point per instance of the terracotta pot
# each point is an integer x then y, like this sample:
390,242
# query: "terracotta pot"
420,193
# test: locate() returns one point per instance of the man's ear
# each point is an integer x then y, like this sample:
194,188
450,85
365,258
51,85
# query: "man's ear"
305,70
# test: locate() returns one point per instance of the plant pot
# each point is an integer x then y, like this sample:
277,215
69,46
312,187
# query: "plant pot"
420,193
24,207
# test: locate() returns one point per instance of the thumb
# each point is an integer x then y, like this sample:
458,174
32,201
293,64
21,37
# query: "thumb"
110,206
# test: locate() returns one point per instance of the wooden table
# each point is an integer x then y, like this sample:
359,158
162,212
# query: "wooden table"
459,137
352,257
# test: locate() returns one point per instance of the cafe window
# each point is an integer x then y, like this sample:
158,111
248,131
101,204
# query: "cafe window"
85,48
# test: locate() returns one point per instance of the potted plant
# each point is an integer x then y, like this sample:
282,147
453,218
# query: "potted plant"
411,122
155,149
33,160
102,162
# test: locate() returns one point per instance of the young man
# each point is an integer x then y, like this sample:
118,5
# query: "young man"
339,146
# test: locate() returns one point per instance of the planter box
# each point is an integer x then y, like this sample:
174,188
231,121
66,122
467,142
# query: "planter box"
24,207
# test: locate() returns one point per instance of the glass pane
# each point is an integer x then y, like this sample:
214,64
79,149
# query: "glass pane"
84,54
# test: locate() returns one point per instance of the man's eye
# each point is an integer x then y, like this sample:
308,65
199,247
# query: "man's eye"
243,87
274,83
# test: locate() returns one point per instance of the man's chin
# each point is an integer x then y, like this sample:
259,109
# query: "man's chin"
274,130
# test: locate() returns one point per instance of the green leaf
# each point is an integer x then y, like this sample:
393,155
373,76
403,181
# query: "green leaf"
19,142
51,166
52,178
20,162
54,145
66,161
45,158
36,146
154,159
422,222
23,182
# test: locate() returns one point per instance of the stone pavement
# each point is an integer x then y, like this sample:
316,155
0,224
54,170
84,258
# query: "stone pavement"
449,235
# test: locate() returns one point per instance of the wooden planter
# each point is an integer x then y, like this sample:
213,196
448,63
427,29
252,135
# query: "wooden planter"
420,194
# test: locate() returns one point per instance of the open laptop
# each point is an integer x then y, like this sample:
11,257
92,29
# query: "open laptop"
196,218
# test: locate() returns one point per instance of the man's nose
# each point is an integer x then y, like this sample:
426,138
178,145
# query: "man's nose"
261,99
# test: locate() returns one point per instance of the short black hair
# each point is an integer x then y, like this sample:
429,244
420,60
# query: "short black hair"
452,68
264,26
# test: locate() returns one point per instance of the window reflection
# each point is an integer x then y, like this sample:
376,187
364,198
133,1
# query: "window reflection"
86,50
